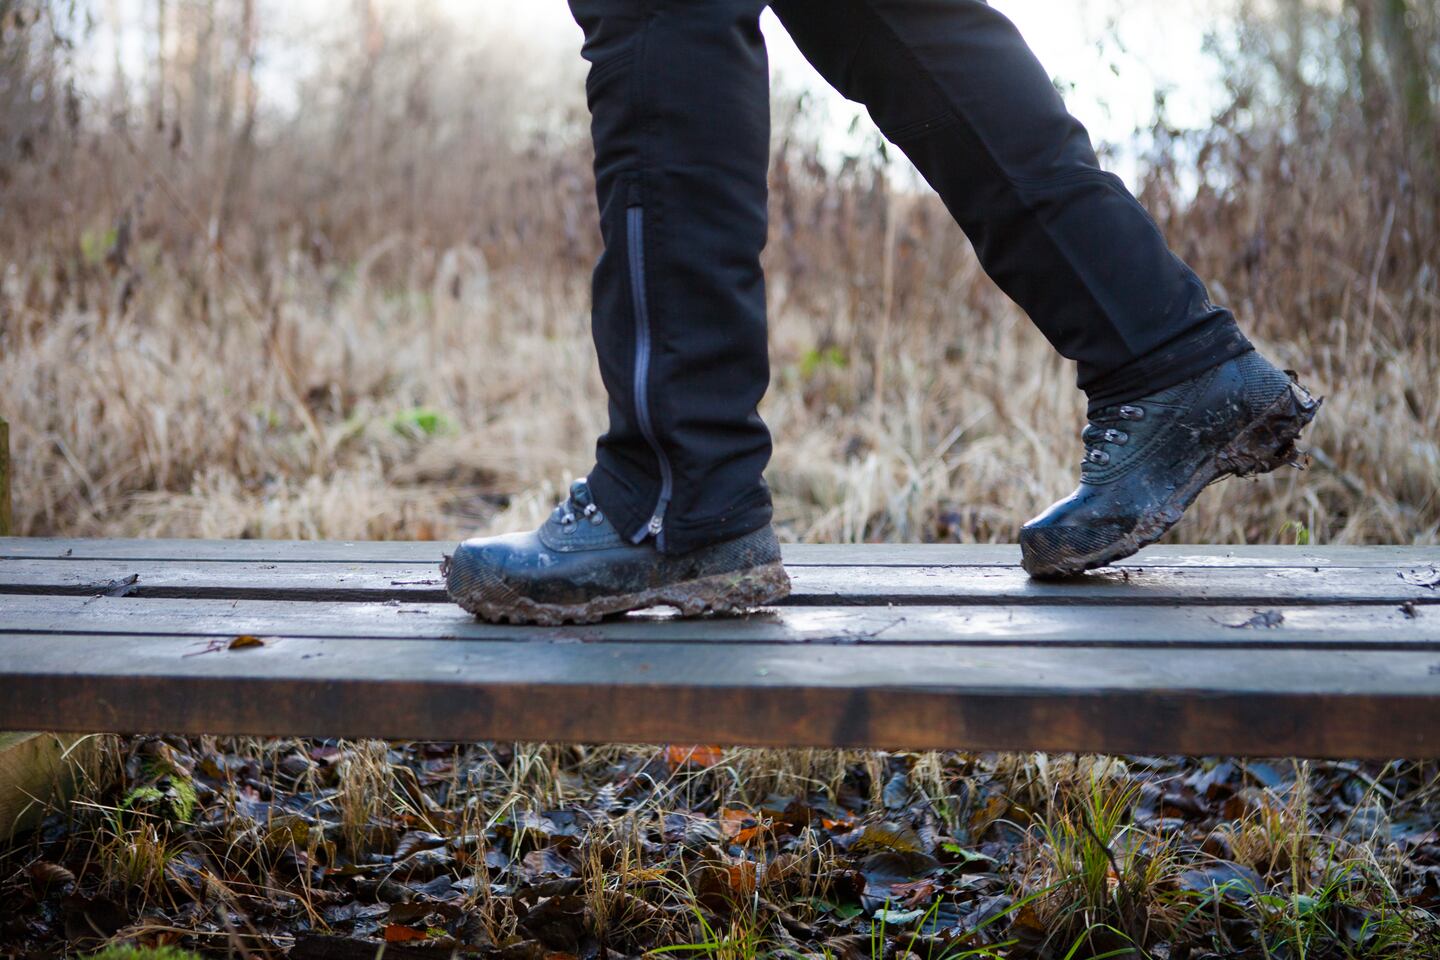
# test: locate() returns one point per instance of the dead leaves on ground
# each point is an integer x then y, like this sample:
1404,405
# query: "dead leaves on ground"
700,757
652,851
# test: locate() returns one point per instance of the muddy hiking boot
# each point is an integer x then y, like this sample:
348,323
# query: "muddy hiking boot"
577,569
1147,460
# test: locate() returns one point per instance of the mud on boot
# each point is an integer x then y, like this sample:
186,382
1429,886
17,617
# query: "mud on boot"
577,568
1147,460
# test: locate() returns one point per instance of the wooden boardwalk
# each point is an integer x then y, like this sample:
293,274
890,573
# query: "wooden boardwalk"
1323,651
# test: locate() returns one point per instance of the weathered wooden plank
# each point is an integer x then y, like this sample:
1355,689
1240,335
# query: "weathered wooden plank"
1300,703
930,554
1373,627
811,585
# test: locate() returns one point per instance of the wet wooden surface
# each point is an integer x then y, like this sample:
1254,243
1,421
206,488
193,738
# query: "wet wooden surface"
818,584
1243,650
796,554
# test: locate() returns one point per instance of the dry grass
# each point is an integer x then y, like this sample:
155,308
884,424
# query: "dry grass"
370,321
377,326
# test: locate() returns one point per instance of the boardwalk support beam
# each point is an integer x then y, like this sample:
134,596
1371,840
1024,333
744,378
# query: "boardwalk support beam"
7,523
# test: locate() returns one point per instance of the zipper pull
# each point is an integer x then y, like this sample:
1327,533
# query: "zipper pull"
655,527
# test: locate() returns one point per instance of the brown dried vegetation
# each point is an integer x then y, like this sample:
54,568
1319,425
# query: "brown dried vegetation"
367,317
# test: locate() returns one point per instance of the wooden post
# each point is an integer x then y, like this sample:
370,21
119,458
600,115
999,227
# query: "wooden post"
39,771
6,523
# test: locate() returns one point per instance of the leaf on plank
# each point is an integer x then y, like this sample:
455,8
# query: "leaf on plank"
246,640
121,587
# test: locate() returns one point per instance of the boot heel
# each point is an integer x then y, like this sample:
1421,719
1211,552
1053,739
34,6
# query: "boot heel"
1269,442
728,593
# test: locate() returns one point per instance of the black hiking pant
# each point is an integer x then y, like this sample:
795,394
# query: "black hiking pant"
679,102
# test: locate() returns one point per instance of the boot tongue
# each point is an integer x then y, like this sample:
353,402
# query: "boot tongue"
580,493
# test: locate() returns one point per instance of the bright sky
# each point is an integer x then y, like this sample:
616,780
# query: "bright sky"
1114,84
1111,56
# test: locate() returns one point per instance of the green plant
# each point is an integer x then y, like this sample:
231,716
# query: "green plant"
1297,528
1106,874
736,935
815,359
420,422
124,951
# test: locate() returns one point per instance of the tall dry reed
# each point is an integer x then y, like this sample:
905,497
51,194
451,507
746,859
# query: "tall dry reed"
367,317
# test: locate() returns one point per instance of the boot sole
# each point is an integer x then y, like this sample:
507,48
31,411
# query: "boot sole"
1263,445
723,593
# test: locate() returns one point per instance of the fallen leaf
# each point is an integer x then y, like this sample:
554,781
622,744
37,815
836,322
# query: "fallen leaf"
1232,880
219,644
354,910
558,922
399,933
741,877
749,834
888,836
897,791
546,862
885,871
46,872
695,756
741,825
995,808
414,840
914,894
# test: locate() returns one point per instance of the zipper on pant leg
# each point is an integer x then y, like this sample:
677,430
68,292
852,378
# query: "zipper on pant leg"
635,255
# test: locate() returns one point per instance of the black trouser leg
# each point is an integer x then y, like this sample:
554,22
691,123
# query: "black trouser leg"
953,84
679,102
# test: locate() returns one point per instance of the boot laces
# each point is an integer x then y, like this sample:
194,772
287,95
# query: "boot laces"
1102,431
579,505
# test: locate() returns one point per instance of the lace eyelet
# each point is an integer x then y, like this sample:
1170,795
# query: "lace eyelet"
1098,457
1116,436
1129,412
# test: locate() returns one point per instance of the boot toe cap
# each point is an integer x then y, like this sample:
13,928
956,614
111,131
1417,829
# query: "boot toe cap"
482,568
1054,551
